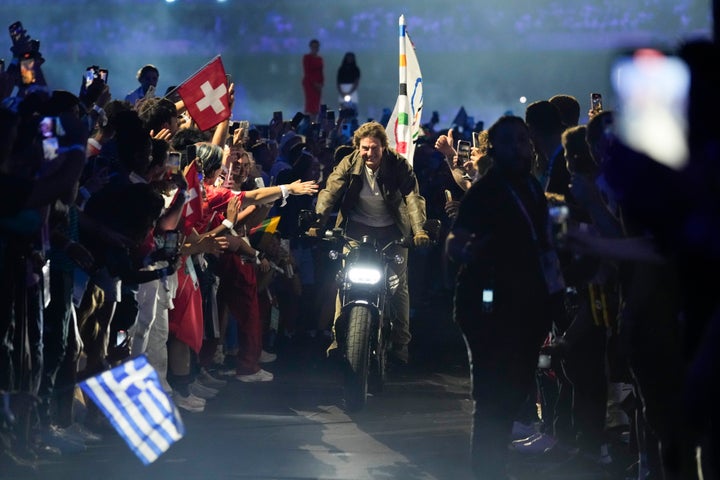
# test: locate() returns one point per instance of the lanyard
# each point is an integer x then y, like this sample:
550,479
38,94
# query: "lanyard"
523,209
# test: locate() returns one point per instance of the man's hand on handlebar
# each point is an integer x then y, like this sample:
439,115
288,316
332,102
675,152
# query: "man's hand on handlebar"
421,239
313,232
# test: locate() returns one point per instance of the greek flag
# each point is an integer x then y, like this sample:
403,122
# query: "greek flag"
132,399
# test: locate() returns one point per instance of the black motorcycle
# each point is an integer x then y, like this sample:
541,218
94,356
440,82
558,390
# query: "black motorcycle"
362,331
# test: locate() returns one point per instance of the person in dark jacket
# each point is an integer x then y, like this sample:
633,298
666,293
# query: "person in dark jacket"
378,194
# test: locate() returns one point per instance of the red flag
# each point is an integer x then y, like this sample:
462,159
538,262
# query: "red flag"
205,95
193,209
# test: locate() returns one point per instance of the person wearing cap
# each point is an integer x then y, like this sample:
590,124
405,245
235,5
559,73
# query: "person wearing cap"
378,195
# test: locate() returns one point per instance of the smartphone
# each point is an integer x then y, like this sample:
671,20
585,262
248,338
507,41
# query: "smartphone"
120,337
150,92
330,116
448,196
297,119
652,88
463,152
245,125
596,102
171,242
27,71
232,126
90,75
476,139
103,73
50,130
277,118
172,163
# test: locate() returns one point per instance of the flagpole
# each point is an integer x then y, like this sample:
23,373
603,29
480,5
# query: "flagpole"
403,104
403,57
404,123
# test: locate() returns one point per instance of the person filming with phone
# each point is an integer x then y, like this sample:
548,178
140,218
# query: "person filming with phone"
148,77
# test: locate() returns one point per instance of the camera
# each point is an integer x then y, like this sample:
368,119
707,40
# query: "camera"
22,44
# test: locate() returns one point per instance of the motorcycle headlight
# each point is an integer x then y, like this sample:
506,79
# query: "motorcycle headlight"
364,275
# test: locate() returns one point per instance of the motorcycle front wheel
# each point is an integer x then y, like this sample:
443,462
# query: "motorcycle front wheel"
359,321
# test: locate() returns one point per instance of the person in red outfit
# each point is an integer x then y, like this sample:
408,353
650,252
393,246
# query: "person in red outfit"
313,79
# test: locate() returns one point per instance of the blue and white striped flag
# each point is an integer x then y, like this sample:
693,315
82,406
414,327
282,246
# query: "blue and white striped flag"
132,399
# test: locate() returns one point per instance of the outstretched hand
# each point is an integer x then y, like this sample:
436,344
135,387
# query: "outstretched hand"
303,188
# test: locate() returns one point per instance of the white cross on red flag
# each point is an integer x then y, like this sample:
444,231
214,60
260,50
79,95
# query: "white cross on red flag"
205,95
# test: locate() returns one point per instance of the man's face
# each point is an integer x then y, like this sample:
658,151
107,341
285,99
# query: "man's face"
372,151
149,78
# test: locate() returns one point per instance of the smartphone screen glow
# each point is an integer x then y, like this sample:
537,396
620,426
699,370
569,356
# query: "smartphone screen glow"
653,88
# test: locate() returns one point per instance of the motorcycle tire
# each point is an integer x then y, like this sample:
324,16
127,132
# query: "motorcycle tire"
355,382
378,363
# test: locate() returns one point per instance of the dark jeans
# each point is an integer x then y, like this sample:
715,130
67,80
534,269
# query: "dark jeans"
503,361
58,316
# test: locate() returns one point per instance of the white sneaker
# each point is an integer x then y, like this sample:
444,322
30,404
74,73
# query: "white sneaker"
540,443
199,390
208,380
267,357
259,376
191,403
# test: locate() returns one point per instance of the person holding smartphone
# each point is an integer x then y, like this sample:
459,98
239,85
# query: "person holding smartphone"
148,77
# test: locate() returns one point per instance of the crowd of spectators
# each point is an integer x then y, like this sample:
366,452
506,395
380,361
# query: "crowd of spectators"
102,259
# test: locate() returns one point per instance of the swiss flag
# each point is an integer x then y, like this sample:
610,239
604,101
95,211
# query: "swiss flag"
205,95
193,209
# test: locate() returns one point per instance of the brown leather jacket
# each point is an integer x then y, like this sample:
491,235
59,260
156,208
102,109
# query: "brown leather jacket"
398,186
